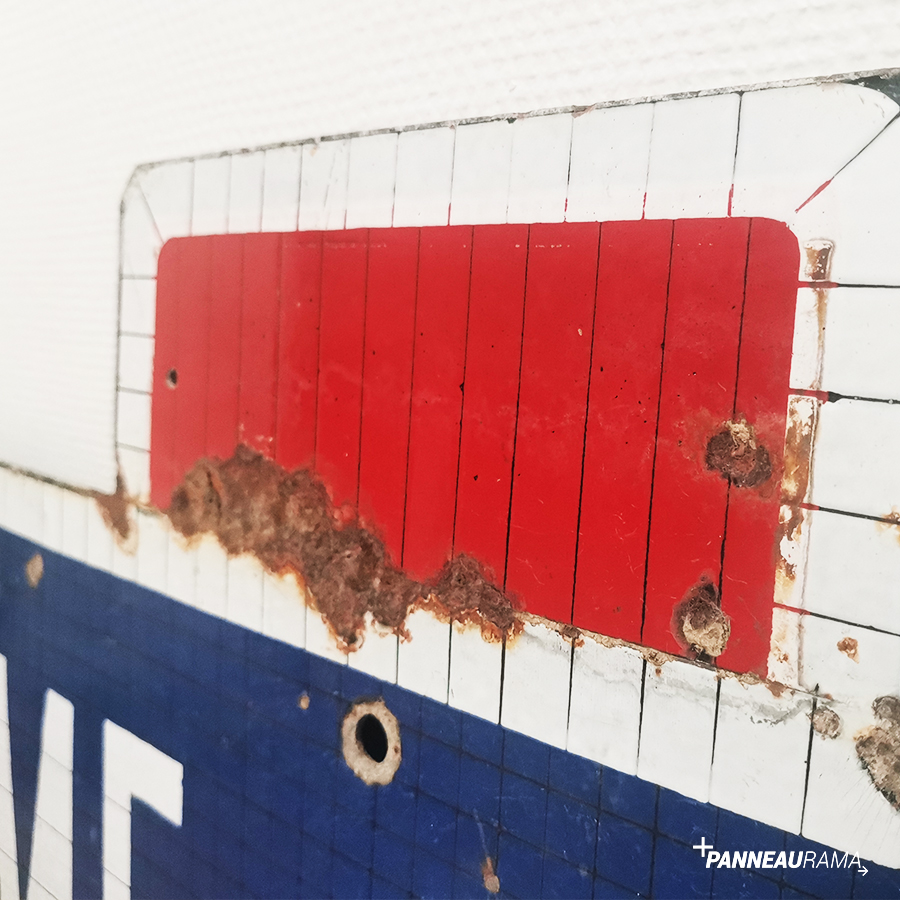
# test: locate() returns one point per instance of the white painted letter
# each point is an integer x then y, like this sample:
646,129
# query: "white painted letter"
132,768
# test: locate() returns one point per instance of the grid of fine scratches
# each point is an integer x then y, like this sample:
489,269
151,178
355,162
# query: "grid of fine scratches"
703,157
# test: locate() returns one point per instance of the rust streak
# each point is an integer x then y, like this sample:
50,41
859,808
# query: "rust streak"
115,509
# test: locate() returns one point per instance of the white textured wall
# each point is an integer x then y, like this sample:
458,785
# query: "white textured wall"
89,90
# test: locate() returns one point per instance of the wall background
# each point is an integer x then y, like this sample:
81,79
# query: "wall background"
90,90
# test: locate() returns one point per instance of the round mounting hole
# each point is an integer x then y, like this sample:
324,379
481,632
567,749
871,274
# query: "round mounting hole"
172,378
370,735
372,738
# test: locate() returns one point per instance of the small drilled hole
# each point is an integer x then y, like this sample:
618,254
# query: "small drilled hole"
172,378
372,738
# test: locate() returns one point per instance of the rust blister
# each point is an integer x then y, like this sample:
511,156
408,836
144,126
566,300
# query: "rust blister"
878,749
736,454
827,723
698,623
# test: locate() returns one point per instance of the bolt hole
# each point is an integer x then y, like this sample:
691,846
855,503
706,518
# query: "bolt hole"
172,378
372,737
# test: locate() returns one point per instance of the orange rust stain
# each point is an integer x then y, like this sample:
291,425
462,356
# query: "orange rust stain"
34,570
818,259
849,647
115,510
890,523
802,421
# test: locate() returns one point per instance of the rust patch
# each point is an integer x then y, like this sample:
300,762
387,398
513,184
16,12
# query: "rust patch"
826,722
115,509
849,647
775,688
698,622
489,876
818,259
286,519
878,749
34,570
464,593
736,454
656,658
890,523
887,708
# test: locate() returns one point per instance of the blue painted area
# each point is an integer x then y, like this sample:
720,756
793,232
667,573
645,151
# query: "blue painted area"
271,809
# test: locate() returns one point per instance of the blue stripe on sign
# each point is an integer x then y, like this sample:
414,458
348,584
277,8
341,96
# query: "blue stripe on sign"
270,807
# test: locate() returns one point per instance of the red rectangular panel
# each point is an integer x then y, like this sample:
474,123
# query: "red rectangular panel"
556,352
387,382
493,356
298,364
341,336
259,341
632,284
438,372
703,321
163,465
192,364
222,396
748,575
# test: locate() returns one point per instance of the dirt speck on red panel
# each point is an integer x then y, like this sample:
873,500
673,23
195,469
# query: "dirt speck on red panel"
288,521
736,454
878,749
826,722
116,510
698,623
849,647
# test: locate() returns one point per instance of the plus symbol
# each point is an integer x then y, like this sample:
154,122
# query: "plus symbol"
703,847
